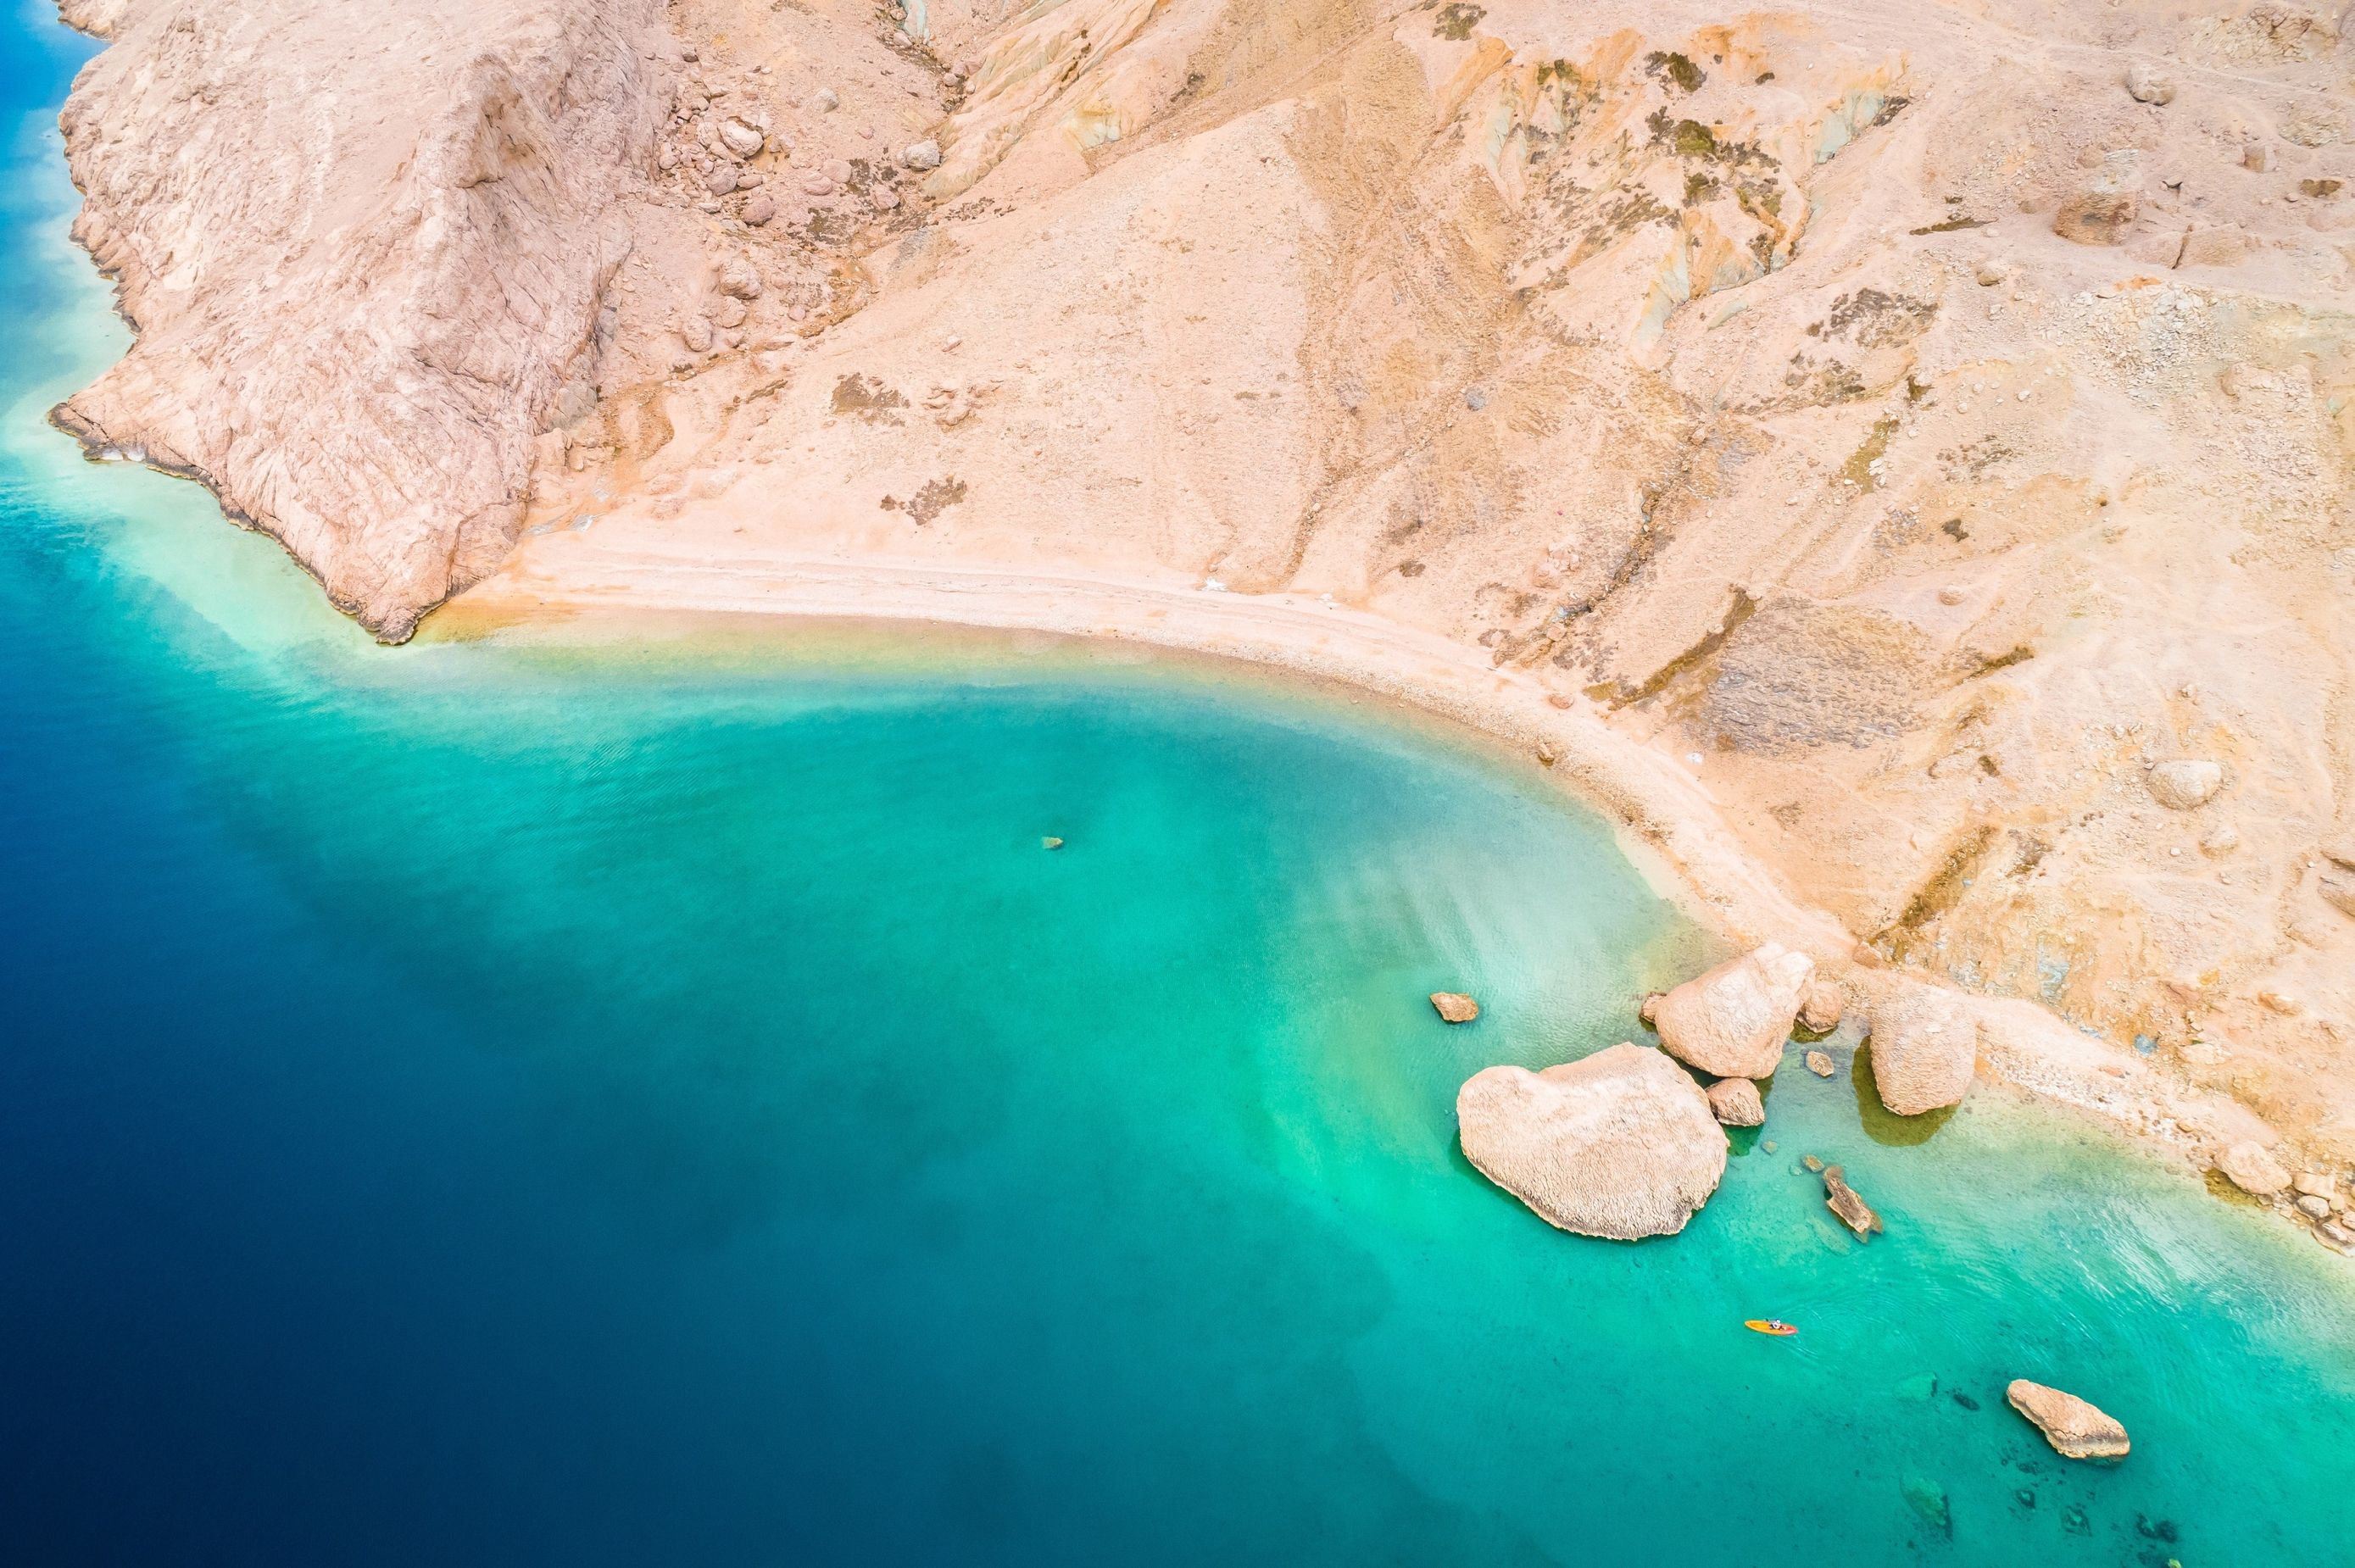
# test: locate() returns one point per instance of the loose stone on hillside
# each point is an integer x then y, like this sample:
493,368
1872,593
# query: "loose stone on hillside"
2185,782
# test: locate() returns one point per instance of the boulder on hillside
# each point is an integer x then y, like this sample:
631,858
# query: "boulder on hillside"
1925,1046
2076,1429
2251,1168
1621,1144
1731,1021
2186,783
1735,1102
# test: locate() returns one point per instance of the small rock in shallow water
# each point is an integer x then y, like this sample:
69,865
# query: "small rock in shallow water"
1736,1103
1051,842
1842,1199
1651,1009
2076,1429
1768,1146
1819,1064
1966,1401
1455,1006
1811,1162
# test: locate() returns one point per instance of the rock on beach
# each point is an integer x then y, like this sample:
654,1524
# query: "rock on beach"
1621,1144
2076,1429
2253,1168
1732,1021
1925,1046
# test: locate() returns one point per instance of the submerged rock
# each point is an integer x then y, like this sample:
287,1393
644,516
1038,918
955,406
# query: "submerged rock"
1455,1006
1051,842
1925,1046
1819,1064
1619,1145
1736,1103
2251,1168
1731,1021
1842,1199
2076,1429
1928,1499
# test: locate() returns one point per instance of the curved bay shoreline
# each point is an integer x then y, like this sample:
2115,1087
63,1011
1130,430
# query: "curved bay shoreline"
1668,823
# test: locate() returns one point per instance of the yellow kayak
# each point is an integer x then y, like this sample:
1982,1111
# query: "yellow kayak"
1773,1326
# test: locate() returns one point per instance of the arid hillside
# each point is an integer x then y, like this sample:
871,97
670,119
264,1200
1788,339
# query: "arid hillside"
1930,424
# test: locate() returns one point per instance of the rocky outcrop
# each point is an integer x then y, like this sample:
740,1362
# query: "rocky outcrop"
2076,1429
1455,1006
1732,1021
1621,1144
1853,1210
354,338
1736,1103
1925,1047
2251,1168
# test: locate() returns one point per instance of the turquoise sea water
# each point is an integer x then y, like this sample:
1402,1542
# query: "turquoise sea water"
649,1097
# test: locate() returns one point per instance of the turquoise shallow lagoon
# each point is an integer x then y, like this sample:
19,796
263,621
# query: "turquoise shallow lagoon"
651,1098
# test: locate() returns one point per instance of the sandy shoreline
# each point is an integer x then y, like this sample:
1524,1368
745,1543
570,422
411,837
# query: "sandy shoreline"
1668,821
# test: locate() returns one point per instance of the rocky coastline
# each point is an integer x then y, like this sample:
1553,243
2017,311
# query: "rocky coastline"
1901,468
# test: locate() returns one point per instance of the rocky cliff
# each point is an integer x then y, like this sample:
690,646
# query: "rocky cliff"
366,249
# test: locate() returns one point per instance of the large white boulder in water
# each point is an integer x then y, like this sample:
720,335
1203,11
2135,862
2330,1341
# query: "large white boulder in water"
1731,1022
1621,1144
1924,1045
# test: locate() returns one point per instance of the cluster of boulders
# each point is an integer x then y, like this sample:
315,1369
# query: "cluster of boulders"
1626,1143
2313,1197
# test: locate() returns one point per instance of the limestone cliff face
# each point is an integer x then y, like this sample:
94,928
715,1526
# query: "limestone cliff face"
364,249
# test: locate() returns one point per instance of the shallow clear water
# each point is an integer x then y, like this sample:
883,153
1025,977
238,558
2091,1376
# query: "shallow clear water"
595,1102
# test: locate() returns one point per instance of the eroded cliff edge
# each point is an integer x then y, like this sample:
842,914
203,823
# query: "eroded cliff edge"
1931,428
366,249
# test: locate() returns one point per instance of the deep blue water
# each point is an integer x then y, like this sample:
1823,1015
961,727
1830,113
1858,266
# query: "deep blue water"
654,1099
